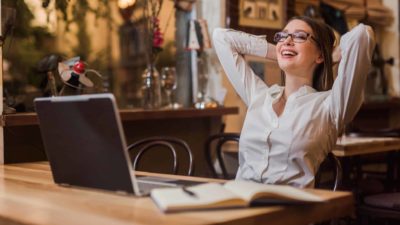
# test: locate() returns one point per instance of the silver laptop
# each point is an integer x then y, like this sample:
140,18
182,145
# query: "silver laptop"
85,144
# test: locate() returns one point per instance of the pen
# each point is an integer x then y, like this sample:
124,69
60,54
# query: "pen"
191,193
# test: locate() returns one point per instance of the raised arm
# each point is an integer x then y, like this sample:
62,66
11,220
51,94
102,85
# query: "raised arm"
347,92
231,46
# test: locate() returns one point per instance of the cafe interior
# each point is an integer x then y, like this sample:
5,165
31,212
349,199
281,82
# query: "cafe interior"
176,112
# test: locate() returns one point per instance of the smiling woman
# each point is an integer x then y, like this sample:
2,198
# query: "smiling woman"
278,142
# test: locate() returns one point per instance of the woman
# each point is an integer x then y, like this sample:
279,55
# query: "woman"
288,130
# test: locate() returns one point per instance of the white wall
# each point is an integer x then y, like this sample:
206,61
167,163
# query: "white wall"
389,39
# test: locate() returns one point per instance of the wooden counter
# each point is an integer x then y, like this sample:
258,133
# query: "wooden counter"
26,119
23,143
29,196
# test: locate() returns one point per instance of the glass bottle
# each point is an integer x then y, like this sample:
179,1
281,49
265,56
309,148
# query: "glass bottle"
202,81
151,88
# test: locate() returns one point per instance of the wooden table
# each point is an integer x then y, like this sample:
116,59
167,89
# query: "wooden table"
352,146
29,196
352,149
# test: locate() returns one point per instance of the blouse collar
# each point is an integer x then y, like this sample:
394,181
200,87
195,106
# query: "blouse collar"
277,90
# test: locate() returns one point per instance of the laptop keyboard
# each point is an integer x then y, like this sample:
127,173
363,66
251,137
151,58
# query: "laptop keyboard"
146,184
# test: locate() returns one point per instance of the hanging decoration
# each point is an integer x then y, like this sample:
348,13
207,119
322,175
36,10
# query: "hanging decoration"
73,73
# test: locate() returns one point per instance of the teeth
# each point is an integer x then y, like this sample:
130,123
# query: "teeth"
289,53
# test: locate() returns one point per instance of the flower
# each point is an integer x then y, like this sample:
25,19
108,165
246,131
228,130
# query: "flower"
158,39
155,41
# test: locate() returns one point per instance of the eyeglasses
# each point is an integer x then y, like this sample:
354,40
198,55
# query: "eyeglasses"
297,37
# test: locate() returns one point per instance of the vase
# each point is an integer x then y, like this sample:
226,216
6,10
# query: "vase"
151,88
202,82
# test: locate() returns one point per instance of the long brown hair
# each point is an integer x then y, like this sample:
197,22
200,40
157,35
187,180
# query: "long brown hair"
325,40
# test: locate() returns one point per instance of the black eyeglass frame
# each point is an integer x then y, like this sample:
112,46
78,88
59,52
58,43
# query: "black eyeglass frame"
282,39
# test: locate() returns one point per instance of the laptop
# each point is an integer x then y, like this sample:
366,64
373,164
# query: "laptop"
85,145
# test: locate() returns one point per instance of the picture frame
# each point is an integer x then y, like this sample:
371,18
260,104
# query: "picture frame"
233,15
268,14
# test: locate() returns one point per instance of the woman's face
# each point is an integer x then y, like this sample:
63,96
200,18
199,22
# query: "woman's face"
298,54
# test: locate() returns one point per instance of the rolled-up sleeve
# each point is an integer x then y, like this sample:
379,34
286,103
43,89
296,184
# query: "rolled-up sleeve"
230,46
347,92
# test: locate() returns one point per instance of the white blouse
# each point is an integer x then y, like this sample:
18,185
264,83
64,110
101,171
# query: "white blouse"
289,149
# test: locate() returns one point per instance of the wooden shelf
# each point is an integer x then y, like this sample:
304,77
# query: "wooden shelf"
26,119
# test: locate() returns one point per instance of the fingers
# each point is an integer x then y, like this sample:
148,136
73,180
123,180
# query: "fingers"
336,55
370,30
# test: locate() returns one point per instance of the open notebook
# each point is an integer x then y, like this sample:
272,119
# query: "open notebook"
228,195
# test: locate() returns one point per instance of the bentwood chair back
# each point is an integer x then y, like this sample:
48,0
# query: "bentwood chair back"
329,175
214,152
178,148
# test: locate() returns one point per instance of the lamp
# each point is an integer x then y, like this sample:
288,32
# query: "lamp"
126,8
185,5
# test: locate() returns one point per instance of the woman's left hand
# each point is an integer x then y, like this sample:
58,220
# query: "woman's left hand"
336,55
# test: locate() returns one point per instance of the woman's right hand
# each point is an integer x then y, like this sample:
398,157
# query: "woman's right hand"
271,52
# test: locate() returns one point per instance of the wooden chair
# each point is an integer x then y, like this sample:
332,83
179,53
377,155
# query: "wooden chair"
214,148
172,144
332,167
329,176
380,209
384,207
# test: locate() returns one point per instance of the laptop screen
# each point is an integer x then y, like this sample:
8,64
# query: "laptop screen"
84,141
